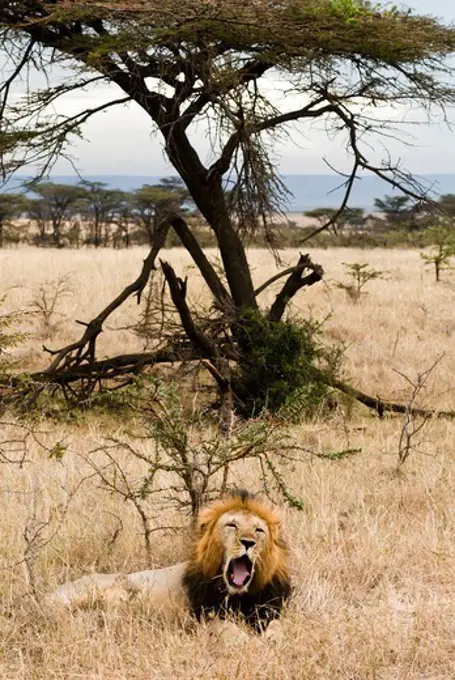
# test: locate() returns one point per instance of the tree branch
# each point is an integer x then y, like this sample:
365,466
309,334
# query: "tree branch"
84,349
5,87
117,366
293,284
381,406
177,289
208,273
222,165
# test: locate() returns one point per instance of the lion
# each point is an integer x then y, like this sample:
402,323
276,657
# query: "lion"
238,566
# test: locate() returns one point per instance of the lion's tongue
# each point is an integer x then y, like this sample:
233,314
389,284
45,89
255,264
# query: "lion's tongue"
239,573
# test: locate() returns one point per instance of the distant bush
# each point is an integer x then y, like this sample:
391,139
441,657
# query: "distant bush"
359,274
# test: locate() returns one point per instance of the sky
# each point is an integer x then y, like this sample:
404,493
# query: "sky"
121,141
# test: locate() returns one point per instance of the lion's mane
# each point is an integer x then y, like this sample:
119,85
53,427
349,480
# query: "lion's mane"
206,590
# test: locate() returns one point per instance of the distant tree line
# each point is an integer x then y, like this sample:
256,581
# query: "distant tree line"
395,221
391,212
88,214
91,214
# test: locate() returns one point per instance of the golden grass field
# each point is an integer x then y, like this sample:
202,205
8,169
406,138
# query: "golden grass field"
373,551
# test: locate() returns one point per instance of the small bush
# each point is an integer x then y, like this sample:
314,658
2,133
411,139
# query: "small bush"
442,242
47,298
282,361
9,337
359,275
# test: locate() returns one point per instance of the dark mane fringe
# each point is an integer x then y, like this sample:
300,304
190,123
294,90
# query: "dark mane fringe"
242,494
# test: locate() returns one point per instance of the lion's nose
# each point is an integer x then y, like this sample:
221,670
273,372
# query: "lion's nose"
247,543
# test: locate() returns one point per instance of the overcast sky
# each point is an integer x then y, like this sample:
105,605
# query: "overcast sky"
121,141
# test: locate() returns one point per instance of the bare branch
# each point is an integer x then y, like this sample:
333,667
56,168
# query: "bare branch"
5,87
177,288
382,406
209,274
294,283
84,349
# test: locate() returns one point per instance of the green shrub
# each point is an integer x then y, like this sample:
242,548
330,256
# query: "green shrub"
9,337
281,362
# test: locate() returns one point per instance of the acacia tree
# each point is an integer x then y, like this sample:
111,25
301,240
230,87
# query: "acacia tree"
11,208
53,207
98,206
122,217
152,203
181,61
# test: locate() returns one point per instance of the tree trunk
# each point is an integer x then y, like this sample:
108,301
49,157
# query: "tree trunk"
56,234
207,192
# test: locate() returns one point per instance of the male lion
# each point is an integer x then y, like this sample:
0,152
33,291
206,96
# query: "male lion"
238,565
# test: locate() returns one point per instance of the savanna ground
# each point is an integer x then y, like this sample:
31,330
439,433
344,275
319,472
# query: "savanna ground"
373,554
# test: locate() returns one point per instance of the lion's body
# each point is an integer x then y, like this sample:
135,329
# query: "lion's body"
238,565
163,588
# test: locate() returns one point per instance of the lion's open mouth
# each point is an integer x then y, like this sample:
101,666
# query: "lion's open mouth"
240,571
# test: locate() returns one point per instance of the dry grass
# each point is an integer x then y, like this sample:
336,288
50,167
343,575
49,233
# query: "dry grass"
373,552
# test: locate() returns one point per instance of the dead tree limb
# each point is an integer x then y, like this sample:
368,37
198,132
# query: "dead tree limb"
293,284
117,366
84,349
177,288
381,406
275,277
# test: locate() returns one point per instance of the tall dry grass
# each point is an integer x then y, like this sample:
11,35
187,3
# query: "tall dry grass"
373,552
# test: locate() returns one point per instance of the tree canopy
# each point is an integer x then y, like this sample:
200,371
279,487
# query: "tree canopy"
180,60
343,62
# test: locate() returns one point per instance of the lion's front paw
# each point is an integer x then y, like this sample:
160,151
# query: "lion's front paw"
274,632
227,631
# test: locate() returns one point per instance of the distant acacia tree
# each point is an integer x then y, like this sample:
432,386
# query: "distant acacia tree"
98,204
52,209
322,215
401,212
152,203
182,63
123,220
441,240
353,217
396,209
447,204
12,206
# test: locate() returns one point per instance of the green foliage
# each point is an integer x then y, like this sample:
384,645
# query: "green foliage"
9,337
11,207
339,455
352,10
360,274
441,238
58,451
447,204
282,361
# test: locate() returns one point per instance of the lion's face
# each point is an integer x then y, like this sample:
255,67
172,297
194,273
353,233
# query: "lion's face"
244,537
240,541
